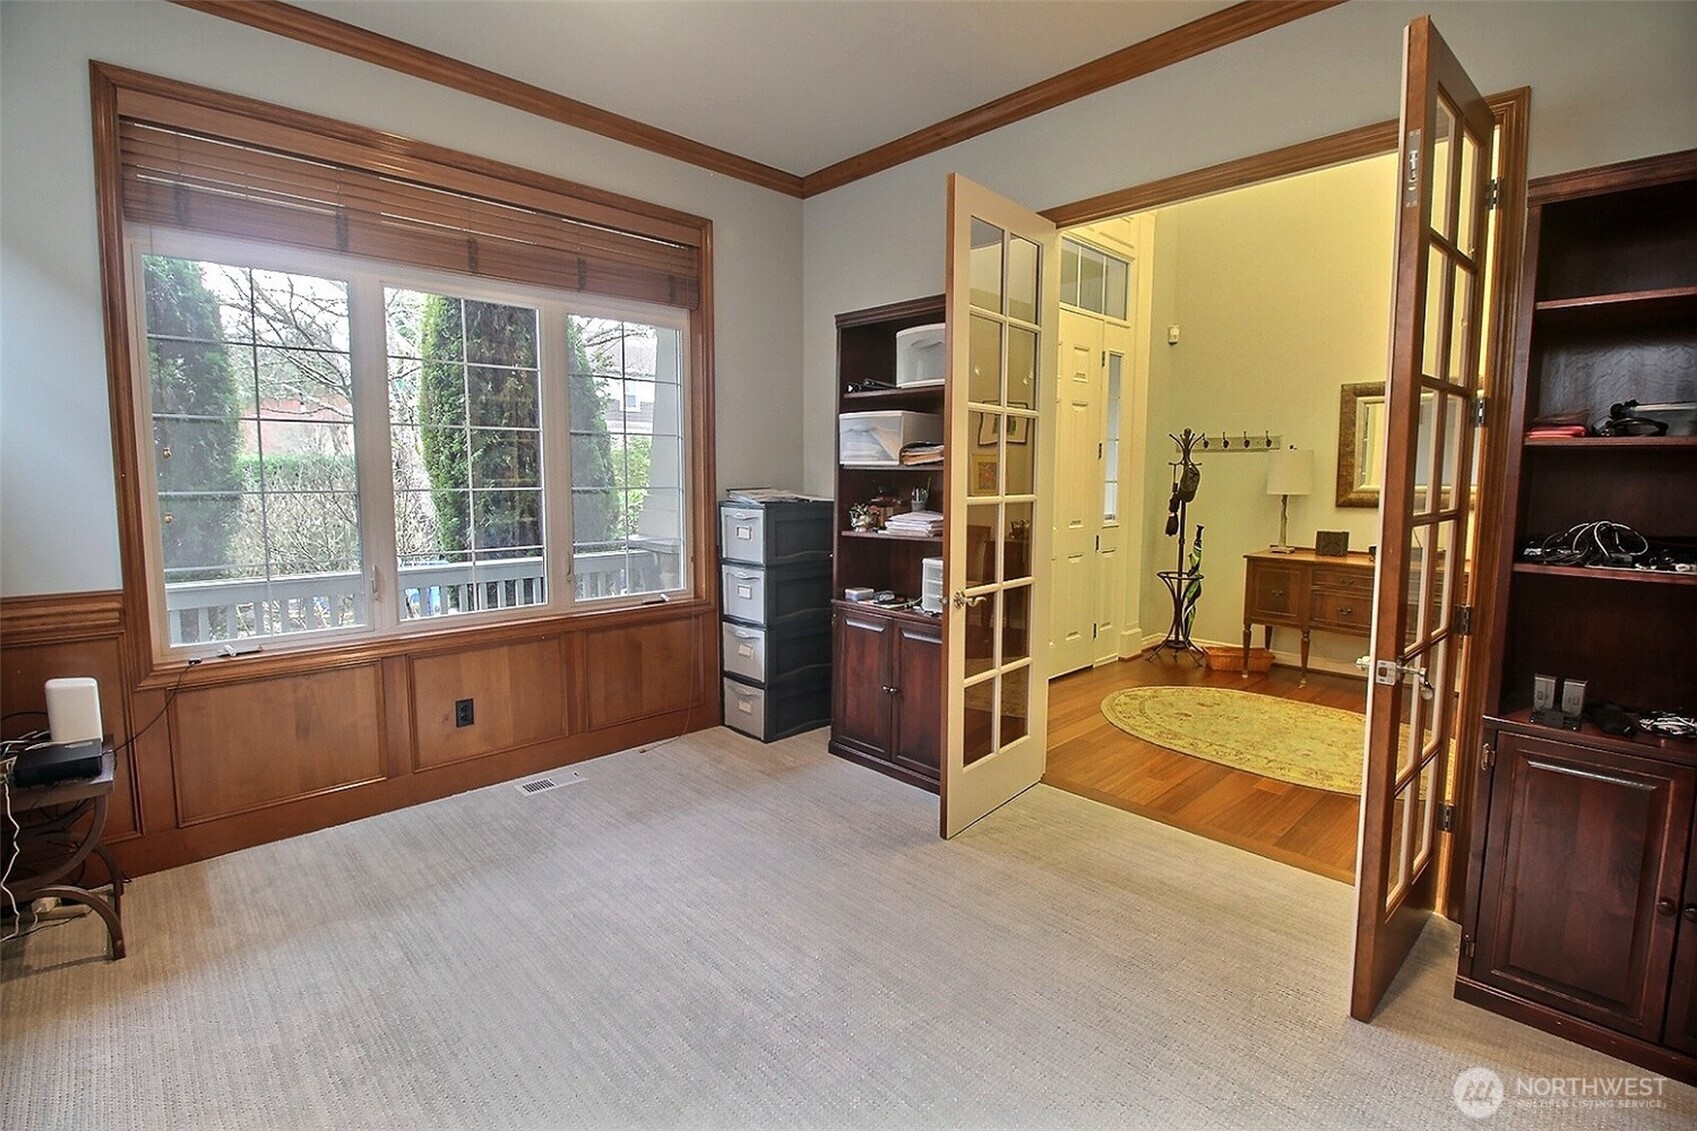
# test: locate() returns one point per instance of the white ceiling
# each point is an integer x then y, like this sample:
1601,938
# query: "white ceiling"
796,84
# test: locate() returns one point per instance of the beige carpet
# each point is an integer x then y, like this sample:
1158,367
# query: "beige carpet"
1284,739
723,934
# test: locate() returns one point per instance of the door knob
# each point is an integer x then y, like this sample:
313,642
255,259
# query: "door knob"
1666,907
962,600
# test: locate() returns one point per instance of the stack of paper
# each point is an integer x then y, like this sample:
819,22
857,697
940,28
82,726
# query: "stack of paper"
920,524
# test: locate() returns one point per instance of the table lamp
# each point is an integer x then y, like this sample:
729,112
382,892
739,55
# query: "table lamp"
1289,472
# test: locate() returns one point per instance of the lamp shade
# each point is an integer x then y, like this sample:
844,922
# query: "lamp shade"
1290,471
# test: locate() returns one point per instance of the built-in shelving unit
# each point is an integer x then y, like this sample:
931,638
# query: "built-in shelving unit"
1581,908
887,701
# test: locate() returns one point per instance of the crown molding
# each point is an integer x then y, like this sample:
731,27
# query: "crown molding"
370,47
1186,41
1217,29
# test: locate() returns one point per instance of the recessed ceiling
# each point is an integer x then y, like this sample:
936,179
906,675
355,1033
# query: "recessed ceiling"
795,84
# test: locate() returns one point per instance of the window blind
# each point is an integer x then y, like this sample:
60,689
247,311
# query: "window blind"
251,186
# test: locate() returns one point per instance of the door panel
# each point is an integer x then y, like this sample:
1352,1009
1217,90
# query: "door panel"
1681,1028
1002,312
861,670
1435,374
1591,842
918,676
1076,474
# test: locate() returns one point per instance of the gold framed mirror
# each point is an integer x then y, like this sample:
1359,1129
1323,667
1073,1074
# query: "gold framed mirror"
1361,443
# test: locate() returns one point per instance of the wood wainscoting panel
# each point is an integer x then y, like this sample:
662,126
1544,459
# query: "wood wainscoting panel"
632,673
518,698
25,669
245,746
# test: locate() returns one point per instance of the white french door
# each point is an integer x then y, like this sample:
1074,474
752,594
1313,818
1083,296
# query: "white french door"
1002,310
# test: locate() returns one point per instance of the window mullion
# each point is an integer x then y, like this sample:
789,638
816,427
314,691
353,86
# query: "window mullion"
368,343
556,417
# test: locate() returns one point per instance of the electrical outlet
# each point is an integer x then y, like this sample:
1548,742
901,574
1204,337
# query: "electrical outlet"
464,716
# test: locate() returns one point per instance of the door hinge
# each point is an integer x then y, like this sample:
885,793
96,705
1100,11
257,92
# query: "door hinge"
1098,451
1094,629
1480,404
1098,543
1446,818
1487,757
1464,620
1494,194
1467,945
1104,359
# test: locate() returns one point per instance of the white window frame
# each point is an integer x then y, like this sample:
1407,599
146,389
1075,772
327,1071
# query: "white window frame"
368,349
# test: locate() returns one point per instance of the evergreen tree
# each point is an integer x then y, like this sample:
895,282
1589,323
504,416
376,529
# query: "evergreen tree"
191,376
461,343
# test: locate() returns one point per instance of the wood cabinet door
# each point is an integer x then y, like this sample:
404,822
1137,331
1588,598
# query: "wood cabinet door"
860,674
918,678
1275,593
1681,1030
1584,868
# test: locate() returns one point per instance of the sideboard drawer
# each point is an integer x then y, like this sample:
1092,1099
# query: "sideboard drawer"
1344,612
1344,581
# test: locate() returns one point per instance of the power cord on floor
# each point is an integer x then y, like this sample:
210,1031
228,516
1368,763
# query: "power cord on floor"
10,760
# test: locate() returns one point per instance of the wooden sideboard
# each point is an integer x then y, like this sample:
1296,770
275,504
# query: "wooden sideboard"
1309,592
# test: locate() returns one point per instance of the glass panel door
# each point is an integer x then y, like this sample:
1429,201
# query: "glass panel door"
1003,305
1435,376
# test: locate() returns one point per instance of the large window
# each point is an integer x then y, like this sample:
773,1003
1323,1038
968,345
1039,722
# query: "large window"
377,387
342,446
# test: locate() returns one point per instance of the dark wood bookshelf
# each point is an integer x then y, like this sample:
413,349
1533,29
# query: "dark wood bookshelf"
935,540
1584,832
887,664
1602,573
1614,443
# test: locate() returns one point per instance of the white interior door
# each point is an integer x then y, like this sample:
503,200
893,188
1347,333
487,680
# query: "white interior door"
1075,582
1003,306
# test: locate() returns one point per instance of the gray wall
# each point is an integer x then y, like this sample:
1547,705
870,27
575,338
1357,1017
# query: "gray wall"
1610,81
58,524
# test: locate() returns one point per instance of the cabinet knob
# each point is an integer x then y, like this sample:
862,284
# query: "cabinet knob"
1666,907
888,690
1278,592
1691,912
1346,610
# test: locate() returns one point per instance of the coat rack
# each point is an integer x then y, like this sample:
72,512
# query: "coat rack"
1184,584
1215,443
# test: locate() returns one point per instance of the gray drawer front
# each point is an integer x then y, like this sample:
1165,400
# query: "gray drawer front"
745,593
742,534
744,651
745,708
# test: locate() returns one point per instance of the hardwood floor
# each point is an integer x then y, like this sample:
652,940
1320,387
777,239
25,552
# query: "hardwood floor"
1310,829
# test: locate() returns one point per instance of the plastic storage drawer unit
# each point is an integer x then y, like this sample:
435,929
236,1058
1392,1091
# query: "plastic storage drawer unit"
775,533
778,711
772,595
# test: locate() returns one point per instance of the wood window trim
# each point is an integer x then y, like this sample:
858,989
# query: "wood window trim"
115,88
1511,109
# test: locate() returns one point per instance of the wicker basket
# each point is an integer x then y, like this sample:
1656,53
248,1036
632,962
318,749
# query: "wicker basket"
1229,659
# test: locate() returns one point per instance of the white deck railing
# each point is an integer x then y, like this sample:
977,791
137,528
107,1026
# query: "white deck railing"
209,611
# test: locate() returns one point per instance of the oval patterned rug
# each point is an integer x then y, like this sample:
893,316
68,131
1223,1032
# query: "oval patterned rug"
1293,742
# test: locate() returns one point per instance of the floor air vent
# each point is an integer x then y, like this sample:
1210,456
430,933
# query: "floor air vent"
543,785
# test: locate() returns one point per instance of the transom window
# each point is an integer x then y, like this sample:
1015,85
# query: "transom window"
345,447
1092,279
